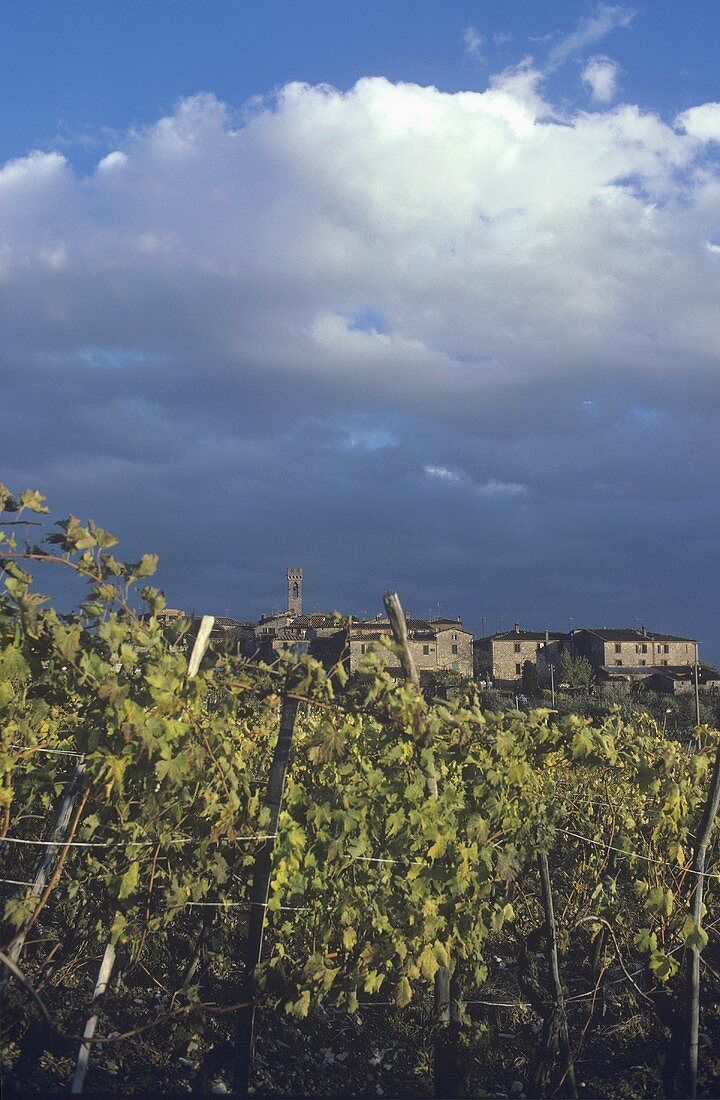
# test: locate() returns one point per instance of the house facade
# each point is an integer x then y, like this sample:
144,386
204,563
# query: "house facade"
438,645
632,648
500,657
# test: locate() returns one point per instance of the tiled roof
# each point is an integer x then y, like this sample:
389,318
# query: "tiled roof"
520,635
628,670
687,672
316,618
673,672
628,634
417,628
231,624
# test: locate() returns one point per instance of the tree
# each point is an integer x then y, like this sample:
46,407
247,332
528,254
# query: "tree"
530,683
446,683
575,671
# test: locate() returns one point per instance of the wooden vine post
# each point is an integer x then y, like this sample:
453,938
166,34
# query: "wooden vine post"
106,966
695,946
57,836
108,960
445,1062
558,994
260,890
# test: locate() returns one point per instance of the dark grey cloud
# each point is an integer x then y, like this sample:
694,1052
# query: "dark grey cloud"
452,343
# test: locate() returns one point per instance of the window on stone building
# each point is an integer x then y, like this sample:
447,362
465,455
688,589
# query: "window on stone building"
518,669
453,649
643,663
426,650
454,665
618,647
516,647
618,662
362,647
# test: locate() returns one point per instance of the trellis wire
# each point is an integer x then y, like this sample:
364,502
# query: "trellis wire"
639,855
37,748
226,903
261,837
129,843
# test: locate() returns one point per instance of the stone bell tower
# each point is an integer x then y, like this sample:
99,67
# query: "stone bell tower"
295,579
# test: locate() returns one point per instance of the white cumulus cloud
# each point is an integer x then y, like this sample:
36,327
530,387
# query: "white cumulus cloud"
701,122
455,274
600,75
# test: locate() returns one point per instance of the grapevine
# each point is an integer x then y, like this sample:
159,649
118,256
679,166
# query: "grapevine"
376,883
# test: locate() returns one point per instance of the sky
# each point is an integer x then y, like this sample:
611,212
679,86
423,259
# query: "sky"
420,295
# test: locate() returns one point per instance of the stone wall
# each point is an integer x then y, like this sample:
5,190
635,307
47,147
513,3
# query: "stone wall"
634,652
455,650
510,654
447,650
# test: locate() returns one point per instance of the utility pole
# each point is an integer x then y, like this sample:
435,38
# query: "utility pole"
552,684
697,693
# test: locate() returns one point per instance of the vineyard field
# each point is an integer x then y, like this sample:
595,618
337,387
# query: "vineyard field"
223,876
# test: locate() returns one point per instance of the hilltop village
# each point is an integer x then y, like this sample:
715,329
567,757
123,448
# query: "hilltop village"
619,656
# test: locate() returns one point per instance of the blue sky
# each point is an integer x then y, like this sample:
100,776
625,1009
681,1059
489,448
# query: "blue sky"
77,68
410,294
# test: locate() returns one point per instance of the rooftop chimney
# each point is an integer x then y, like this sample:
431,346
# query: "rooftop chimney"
517,628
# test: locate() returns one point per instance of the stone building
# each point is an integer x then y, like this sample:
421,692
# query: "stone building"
626,648
438,645
294,583
681,681
237,632
500,657
321,632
